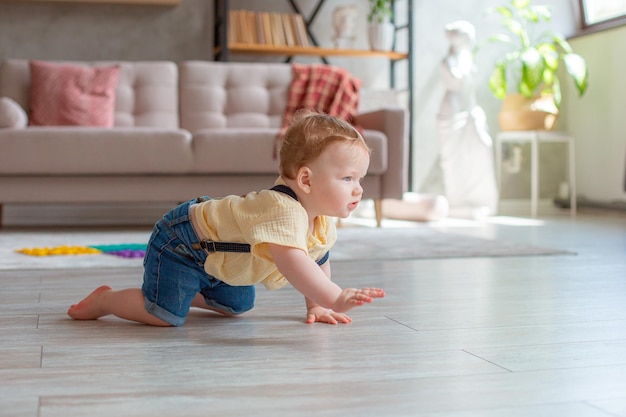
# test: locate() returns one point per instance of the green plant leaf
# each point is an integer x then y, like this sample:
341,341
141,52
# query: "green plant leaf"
550,55
577,68
537,13
532,62
497,81
514,26
521,4
501,10
548,76
556,93
532,71
529,14
562,42
379,9
500,38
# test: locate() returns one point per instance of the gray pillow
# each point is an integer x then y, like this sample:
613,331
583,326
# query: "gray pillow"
12,115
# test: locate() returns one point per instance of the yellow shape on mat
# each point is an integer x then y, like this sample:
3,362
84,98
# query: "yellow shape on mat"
59,250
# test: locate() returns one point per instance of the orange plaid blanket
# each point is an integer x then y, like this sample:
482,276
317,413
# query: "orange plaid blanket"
324,88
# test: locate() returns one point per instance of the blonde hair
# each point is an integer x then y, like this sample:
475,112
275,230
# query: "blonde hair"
308,135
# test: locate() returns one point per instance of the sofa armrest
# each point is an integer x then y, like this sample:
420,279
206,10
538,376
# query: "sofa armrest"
393,122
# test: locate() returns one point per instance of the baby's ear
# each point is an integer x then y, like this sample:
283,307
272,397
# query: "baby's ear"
303,179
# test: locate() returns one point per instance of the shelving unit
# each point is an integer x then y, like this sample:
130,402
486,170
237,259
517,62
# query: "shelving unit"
223,49
246,48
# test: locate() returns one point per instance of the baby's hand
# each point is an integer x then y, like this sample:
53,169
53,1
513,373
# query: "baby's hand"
325,315
351,297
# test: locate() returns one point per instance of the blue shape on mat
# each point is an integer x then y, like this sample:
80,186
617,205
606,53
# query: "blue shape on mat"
125,250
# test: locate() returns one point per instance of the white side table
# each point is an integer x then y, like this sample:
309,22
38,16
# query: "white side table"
535,137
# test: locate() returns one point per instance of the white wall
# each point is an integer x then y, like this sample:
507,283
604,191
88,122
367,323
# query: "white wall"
599,119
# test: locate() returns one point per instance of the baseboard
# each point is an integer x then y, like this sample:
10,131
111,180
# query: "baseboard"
596,204
521,208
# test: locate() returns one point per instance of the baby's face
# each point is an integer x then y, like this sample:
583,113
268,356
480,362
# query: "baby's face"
336,179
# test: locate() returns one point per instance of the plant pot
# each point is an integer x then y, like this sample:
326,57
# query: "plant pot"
381,36
521,113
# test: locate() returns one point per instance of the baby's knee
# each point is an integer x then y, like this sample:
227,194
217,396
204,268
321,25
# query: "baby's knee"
229,300
227,310
245,301
240,310
242,303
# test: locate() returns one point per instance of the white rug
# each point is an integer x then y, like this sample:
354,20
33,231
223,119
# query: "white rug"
14,240
354,244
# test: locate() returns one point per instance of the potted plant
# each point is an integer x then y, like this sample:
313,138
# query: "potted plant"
380,29
531,66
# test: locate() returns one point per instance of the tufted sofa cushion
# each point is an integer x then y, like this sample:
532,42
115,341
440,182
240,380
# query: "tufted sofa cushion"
231,107
237,95
146,93
80,150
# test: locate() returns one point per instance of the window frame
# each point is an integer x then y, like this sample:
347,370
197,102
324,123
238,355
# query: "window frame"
585,28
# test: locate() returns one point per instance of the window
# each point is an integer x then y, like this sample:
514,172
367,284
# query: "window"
602,14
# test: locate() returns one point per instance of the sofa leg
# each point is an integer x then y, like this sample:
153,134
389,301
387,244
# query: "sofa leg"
378,209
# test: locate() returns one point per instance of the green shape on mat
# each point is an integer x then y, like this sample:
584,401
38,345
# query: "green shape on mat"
120,247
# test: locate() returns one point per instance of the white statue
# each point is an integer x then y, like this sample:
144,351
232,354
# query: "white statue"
466,156
344,21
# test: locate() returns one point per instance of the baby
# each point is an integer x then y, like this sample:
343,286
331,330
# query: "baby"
210,253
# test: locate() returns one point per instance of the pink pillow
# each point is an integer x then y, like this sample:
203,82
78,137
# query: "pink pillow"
72,95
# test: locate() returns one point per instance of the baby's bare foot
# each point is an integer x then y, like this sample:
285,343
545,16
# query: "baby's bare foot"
89,308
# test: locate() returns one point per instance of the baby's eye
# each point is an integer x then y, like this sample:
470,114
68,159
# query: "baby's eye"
347,179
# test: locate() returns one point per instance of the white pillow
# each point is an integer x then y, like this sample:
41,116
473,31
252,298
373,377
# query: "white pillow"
12,115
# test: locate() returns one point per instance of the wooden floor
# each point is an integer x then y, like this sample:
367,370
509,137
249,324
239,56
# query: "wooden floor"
489,337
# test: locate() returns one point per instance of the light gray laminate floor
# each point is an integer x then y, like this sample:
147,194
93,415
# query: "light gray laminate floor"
489,337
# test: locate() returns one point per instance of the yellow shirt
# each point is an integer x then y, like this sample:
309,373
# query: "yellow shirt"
258,218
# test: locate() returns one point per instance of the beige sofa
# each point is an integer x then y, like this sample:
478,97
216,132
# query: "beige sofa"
180,130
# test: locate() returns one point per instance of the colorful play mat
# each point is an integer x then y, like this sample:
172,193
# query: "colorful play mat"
126,250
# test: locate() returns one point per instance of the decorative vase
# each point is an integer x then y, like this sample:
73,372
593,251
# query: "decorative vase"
521,113
381,36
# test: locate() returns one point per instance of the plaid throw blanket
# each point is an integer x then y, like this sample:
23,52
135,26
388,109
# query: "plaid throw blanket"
324,88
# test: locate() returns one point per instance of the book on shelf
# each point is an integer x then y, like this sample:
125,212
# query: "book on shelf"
254,35
301,32
244,31
258,20
288,30
278,33
266,28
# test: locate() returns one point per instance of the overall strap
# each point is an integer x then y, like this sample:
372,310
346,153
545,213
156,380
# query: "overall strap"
211,246
286,190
